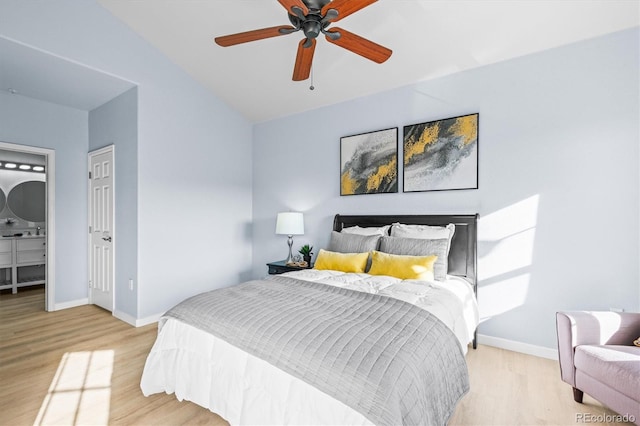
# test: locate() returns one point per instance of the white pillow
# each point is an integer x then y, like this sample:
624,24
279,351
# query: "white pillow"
382,230
425,232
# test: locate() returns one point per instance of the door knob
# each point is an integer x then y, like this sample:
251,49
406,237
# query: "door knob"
107,239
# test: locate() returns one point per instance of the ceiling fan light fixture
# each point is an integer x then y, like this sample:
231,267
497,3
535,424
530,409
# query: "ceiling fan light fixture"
312,28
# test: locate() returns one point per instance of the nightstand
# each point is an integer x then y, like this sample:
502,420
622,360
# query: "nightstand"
280,267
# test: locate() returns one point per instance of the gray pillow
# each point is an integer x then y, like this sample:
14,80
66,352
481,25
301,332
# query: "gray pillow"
420,247
352,243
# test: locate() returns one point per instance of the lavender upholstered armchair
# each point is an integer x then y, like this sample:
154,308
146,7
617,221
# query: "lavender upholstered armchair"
597,356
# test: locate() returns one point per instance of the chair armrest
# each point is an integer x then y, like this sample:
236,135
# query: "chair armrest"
592,328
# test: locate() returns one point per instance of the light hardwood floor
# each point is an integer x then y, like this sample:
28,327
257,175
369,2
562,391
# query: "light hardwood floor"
84,363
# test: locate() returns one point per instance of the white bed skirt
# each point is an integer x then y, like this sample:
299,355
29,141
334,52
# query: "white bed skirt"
240,387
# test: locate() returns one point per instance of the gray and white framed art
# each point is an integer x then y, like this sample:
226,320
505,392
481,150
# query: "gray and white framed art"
441,155
369,162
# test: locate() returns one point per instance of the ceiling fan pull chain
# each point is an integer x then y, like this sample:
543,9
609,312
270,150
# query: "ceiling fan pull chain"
311,87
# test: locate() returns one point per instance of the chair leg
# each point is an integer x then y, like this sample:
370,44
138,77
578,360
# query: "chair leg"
577,395
475,339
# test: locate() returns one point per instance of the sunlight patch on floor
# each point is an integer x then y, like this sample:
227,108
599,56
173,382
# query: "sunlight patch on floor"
80,391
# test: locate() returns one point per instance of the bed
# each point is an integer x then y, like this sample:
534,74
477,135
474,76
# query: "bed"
327,346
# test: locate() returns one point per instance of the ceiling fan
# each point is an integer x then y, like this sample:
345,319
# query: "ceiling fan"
313,17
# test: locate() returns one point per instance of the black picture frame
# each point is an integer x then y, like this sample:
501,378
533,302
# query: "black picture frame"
369,162
441,155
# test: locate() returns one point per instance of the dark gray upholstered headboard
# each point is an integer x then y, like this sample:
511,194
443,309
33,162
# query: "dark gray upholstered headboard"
463,255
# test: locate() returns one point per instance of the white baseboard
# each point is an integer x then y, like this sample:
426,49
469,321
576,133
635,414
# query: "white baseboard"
135,321
70,304
512,345
125,317
148,320
122,316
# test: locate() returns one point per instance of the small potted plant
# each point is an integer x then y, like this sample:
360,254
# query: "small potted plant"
306,253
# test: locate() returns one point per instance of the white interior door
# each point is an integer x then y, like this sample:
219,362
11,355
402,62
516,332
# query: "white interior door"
101,230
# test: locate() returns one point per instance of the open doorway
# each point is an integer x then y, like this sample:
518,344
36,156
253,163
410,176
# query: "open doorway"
27,231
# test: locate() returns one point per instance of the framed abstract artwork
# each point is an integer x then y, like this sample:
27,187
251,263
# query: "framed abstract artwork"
441,155
369,163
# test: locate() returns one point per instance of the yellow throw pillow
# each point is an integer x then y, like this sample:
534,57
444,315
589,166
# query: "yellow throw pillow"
403,267
345,262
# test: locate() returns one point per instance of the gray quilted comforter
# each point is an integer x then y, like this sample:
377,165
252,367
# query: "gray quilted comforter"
392,361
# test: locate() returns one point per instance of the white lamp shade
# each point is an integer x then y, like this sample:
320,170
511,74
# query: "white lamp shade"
290,223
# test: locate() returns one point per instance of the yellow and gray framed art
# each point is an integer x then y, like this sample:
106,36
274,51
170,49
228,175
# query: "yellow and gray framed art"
441,155
369,163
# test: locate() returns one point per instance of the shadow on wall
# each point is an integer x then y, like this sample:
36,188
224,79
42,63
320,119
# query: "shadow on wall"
506,240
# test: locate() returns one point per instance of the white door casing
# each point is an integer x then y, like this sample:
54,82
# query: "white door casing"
101,228
50,228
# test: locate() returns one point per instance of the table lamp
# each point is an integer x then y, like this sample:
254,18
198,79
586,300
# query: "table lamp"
290,224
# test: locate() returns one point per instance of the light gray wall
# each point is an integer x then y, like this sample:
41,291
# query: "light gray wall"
31,122
194,152
116,123
558,187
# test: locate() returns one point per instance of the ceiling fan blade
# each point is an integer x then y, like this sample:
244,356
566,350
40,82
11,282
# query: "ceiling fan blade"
233,39
304,59
345,8
290,5
360,45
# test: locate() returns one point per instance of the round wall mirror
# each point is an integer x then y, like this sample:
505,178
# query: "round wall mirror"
27,201
3,200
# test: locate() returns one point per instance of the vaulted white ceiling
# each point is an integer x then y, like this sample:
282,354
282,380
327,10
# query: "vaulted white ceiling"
429,38
27,71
